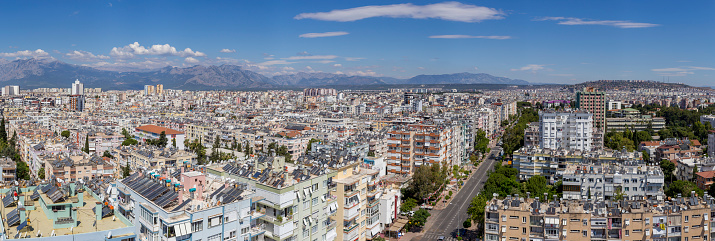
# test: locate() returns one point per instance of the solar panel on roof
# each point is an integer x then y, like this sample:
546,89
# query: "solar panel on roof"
156,193
56,196
35,195
8,200
45,188
217,191
177,208
13,217
163,198
106,211
168,200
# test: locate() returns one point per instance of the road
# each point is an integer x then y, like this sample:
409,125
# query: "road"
449,220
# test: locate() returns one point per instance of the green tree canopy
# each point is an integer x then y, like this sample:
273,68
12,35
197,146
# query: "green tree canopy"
65,134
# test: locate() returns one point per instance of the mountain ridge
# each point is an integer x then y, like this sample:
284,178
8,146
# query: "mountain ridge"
36,73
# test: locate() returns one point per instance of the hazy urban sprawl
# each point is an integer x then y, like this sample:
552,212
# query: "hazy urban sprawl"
354,121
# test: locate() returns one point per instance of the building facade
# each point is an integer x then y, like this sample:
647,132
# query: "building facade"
593,101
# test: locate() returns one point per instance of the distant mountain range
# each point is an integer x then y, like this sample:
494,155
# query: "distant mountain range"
37,73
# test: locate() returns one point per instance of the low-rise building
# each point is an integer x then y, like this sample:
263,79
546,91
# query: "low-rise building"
74,168
518,218
152,132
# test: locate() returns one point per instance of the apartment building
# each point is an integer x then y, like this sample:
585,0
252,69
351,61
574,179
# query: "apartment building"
640,123
593,101
8,168
358,203
150,157
296,203
183,204
534,161
412,146
63,212
569,130
73,168
604,181
515,218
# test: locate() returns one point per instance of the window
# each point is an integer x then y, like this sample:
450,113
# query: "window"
513,217
585,233
315,201
523,219
585,222
627,232
575,220
197,226
575,231
306,204
523,230
513,227
687,218
314,229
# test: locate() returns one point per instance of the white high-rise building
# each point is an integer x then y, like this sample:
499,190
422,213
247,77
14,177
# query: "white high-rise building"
77,88
568,130
11,90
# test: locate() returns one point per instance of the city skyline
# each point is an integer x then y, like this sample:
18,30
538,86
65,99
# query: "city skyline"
555,42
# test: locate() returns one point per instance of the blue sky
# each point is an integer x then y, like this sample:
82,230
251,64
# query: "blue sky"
538,41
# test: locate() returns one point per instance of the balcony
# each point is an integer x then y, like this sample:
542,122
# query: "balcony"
351,211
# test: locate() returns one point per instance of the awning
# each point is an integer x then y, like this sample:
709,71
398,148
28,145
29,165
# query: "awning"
322,198
305,221
297,195
305,192
182,229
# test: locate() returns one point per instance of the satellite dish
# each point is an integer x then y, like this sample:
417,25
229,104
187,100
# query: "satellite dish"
109,235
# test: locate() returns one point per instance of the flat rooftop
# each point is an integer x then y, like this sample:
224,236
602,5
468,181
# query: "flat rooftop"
40,222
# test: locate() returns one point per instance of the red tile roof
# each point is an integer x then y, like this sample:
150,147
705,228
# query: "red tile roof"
158,129
708,174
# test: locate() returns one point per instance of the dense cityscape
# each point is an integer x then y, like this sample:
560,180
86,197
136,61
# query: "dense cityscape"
387,120
521,162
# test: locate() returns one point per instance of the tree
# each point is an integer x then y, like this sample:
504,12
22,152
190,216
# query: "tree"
310,144
467,223
126,133
408,205
22,170
163,141
3,131
668,168
420,217
683,188
695,173
41,173
126,170
173,142
537,185
378,238
129,142
646,156
86,144
620,195
107,154
65,134
217,142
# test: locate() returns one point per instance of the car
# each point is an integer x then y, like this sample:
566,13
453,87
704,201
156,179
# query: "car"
440,238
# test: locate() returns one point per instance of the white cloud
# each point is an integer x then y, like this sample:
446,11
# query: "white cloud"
308,68
152,63
680,71
613,23
364,73
228,51
339,72
131,50
353,59
469,36
191,60
668,69
700,68
320,35
531,67
424,67
274,62
451,11
304,53
337,65
323,61
311,57
39,53
84,56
